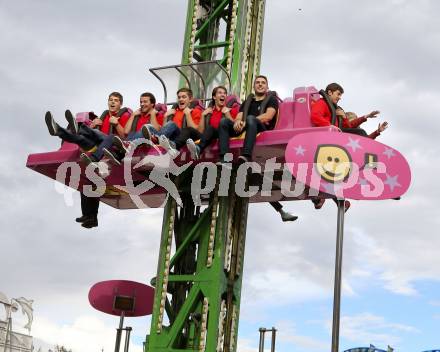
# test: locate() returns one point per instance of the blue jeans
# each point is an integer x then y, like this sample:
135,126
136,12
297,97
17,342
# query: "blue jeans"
106,143
169,130
137,137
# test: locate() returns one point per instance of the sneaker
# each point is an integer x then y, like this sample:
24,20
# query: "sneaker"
146,132
72,121
120,144
154,139
52,126
165,143
285,216
243,159
91,221
103,169
111,156
318,202
194,149
223,164
82,218
347,205
87,160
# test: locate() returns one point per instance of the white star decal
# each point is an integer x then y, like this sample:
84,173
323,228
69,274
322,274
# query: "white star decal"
389,153
392,182
354,144
299,150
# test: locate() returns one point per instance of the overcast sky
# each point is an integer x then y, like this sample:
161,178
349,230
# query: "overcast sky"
63,54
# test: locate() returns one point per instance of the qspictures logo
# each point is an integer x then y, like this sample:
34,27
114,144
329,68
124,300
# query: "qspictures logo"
330,167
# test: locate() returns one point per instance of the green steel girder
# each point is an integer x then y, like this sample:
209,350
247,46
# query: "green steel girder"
205,298
199,278
234,25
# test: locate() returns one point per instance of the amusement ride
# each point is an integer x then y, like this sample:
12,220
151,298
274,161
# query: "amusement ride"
197,294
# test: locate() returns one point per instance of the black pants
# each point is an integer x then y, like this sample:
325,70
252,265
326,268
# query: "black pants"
276,205
358,131
86,138
226,130
207,137
185,134
89,205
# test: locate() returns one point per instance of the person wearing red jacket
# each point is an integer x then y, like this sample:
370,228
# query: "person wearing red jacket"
321,115
112,123
137,128
183,122
210,121
112,120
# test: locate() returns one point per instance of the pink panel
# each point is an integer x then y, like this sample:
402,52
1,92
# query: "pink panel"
83,117
102,297
285,114
348,165
303,98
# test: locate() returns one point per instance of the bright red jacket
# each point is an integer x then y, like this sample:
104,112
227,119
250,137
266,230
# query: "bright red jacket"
105,128
321,116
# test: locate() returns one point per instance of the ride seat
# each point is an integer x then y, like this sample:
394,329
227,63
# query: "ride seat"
303,99
161,110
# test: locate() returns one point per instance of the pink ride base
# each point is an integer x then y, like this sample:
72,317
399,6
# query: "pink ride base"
102,297
293,120
376,171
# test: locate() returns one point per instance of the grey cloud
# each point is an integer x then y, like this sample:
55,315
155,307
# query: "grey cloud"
58,55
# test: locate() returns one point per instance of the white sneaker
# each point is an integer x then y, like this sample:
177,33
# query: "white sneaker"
146,132
164,142
86,159
194,149
111,156
119,143
103,169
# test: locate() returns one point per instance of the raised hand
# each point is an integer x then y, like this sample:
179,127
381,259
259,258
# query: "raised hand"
114,120
225,110
372,114
96,122
382,127
207,111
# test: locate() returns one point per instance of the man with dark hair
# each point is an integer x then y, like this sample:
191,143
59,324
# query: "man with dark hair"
321,116
144,116
321,112
87,137
112,122
183,120
210,121
256,120
135,129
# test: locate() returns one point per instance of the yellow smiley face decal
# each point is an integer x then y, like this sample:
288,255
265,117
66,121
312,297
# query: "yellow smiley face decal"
333,162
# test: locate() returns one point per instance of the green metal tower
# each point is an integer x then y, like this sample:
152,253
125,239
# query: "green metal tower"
200,267
230,31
